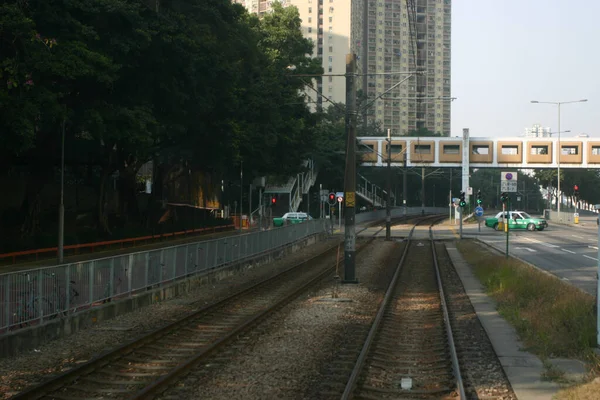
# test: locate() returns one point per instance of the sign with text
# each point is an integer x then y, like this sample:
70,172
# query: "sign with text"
508,186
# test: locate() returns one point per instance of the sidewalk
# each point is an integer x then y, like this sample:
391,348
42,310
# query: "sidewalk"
523,369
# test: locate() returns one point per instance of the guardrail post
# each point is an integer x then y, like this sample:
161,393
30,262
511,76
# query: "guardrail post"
67,288
187,256
216,253
160,265
39,295
130,275
147,269
91,281
175,260
7,316
111,282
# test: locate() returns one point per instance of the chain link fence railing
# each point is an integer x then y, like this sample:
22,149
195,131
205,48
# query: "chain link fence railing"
30,297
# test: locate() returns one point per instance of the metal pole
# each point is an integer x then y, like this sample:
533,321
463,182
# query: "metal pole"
260,209
340,216
404,185
365,59
308,202
507,219
459,209
320,201
423,189
61,207
450,203
598,290
241,192
350,178
388,206
558,151
250,207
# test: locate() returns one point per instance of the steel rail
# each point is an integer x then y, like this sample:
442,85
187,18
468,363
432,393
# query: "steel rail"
453,353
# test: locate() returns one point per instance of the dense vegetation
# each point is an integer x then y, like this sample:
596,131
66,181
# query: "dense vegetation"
197,87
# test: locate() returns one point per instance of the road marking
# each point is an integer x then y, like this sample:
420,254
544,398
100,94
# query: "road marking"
580,237
568,251
565,279
593,247
542,243
525,248
591,258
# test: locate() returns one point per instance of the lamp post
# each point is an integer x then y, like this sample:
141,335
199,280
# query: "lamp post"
558,150
61,207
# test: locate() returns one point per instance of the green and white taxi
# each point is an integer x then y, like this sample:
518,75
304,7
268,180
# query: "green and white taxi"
516,220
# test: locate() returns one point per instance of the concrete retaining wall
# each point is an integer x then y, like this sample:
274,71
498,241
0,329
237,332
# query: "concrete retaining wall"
31,337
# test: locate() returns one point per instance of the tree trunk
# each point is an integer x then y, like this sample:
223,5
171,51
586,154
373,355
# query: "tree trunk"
32,204
102,204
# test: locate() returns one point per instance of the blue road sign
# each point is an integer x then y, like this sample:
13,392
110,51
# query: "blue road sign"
479,211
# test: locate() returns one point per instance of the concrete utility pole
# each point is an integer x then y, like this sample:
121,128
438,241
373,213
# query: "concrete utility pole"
388,206
350,178
404,175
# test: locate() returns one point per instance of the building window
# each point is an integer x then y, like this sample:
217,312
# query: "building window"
309,29
310,10
330,58
331,49
330,69
330,19
309,20
330,78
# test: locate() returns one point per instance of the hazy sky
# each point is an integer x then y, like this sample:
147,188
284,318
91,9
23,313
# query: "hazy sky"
507,53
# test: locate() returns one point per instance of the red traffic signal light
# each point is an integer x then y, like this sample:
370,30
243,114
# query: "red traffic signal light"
576,188
273,200
331,198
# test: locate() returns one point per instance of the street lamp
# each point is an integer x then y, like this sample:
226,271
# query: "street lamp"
559,150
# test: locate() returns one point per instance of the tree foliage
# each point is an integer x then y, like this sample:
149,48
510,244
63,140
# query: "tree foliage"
199,84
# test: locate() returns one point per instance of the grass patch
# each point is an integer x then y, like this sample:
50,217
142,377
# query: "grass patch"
552,318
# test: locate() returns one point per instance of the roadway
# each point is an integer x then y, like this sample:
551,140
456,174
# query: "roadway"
568,252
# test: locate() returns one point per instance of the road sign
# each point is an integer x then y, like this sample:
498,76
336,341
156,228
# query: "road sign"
518,198
508,176
470,191
508,186
479,211
340,199
339,194
350,199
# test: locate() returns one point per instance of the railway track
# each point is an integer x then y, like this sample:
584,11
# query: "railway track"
145,367
409,351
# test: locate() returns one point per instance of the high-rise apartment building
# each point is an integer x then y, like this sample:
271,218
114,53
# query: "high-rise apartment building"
404,36
327,24
538,131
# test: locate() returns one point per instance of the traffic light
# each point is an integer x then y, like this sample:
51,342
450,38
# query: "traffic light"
479,200
576,190
504,197
331,199
462,201
273,200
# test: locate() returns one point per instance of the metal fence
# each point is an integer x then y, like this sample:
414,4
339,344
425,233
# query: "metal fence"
33,296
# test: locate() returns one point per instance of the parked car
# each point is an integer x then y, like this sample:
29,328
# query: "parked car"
517,220
291,218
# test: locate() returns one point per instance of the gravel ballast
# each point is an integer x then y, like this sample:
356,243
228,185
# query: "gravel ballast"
17,373
288,356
